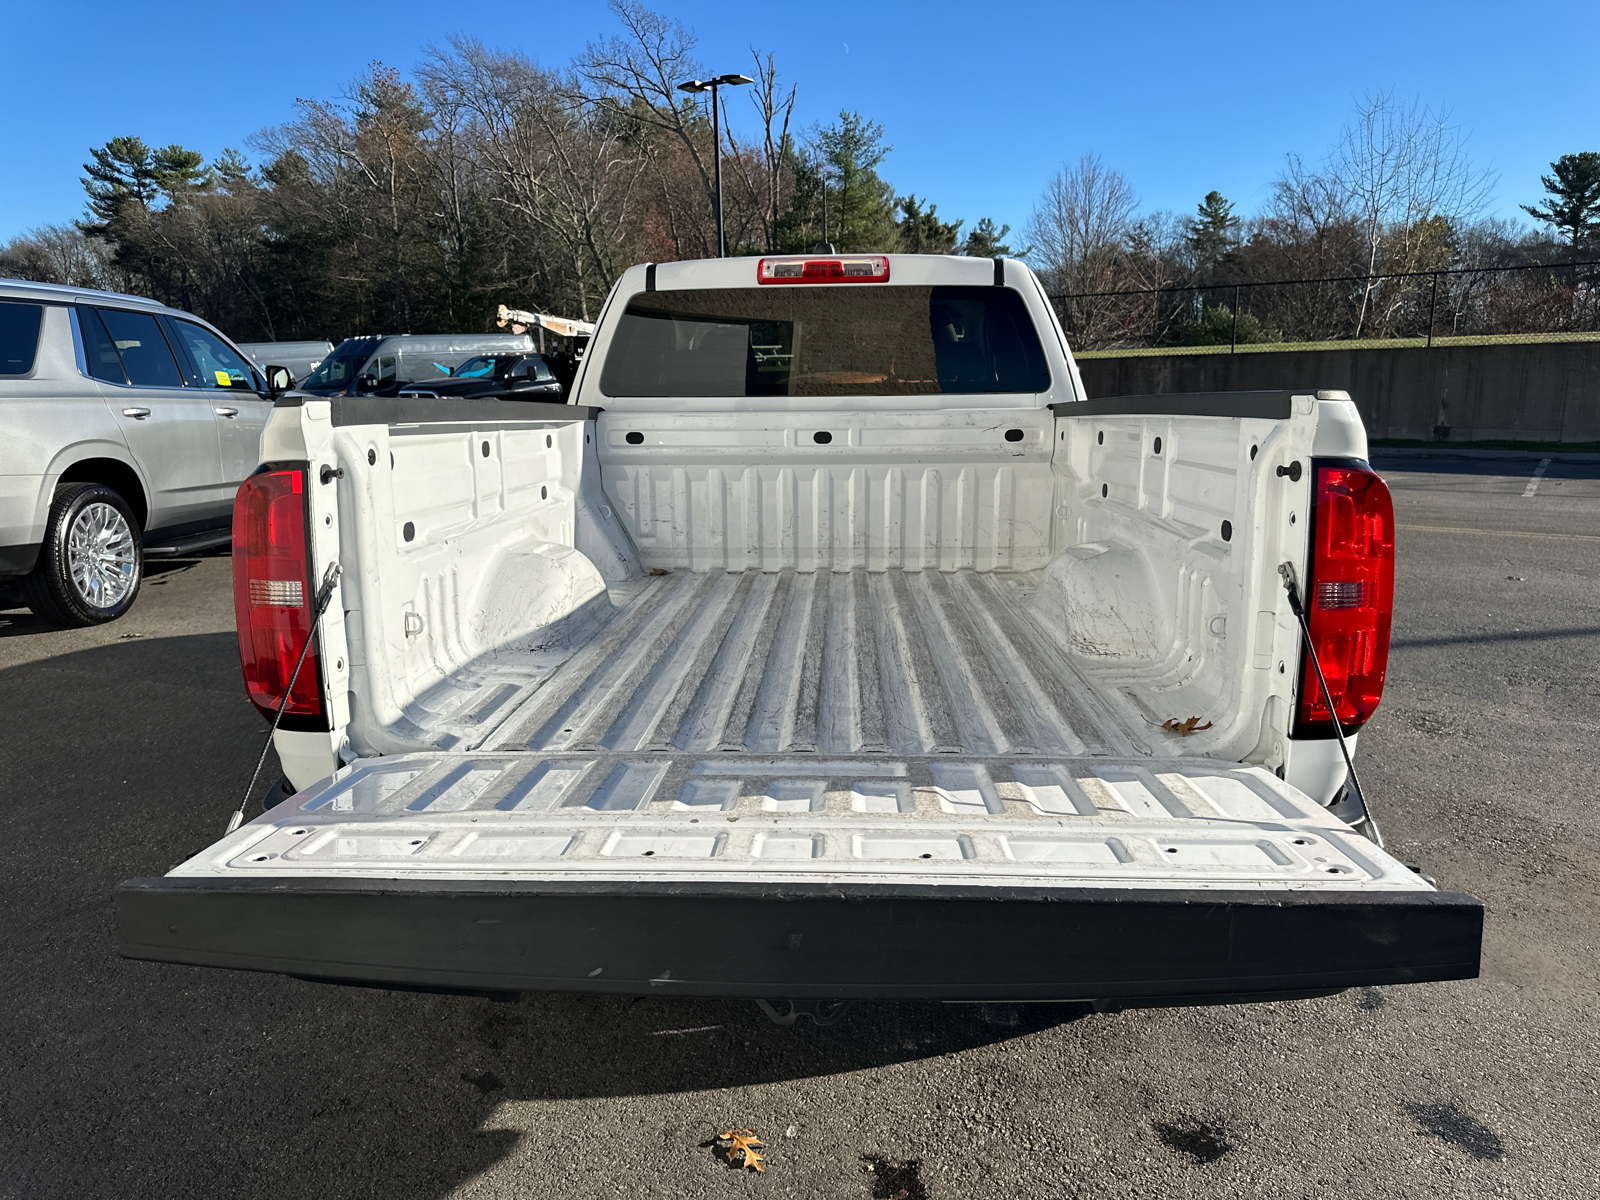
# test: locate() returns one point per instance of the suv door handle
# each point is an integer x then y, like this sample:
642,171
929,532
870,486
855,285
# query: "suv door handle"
138,414
226,412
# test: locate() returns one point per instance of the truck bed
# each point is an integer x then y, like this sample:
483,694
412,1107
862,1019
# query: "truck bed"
688,703
828,662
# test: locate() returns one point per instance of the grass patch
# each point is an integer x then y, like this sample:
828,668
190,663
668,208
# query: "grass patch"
1497,339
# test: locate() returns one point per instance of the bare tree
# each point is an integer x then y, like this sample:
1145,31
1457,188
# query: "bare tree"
372,160
1398,170
761,168
1081,224
65,254
1079,231
558,155
640,74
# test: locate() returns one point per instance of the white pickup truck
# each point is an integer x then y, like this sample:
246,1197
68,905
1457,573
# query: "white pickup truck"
832,644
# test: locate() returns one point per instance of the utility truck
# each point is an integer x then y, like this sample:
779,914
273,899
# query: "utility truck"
831,644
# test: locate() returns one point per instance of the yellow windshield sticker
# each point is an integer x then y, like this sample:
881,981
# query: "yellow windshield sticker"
222,378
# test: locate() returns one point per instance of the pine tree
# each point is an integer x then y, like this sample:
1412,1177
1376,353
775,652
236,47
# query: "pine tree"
126,169
176,170
123,169
231,169
861,205
985,241
923,232
1213,231
1573,206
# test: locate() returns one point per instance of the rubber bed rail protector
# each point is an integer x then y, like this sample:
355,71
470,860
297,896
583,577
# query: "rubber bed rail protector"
423,410
1271,406
822,941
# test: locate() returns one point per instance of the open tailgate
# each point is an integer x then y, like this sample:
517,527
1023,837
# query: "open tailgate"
858,877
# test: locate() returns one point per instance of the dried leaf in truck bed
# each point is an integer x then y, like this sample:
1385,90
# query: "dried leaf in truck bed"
1184,728
742,1147
659,571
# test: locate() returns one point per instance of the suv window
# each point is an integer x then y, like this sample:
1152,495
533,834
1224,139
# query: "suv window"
217,364
146,357
99,352
19,336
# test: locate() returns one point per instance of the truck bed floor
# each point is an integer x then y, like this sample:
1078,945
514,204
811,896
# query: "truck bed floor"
857,662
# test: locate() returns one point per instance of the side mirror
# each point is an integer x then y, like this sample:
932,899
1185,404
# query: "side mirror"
279,381
367,383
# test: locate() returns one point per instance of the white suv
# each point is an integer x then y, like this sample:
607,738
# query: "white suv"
126,427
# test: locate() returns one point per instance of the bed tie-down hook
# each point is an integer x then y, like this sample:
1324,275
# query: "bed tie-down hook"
1363,822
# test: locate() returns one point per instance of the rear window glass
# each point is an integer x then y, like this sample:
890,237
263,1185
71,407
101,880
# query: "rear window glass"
19,336
827,341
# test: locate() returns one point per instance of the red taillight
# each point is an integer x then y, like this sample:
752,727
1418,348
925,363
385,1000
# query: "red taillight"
850,268
272,592
1349,596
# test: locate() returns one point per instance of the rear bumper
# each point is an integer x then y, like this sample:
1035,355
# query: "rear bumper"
806,941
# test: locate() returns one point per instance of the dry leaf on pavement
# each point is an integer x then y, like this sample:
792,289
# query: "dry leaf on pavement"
742,1146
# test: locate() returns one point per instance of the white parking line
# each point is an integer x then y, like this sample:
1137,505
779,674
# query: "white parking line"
1538,474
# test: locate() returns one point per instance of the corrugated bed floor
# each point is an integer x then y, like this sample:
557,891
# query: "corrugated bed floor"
900,662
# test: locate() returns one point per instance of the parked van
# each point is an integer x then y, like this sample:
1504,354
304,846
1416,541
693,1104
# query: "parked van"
364,365
298,358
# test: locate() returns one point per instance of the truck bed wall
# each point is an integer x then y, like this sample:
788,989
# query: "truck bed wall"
515,544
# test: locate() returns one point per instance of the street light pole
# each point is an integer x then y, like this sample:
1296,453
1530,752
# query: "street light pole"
711,85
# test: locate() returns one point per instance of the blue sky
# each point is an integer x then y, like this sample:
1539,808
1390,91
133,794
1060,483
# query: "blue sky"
980,102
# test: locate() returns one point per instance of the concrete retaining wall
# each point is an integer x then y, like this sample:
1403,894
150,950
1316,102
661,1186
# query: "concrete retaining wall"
1543,392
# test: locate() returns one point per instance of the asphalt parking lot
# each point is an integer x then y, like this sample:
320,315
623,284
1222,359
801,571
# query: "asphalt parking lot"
125,748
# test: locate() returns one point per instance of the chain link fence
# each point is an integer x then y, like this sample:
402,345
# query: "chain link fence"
1464,306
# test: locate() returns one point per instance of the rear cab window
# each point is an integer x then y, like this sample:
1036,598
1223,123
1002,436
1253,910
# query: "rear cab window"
19,336
833,341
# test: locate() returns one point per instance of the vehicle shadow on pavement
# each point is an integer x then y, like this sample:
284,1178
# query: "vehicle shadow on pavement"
133,1078
16,620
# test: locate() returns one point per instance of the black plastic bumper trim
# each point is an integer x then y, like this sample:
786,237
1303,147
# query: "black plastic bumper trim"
18,560
1272,406
853,941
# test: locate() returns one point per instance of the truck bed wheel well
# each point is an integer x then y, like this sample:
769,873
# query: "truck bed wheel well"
112,474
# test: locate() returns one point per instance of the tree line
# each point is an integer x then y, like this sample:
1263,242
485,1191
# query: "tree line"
419,203
1396,199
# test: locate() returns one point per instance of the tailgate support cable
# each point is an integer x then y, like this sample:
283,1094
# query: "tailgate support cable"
1363,822
324,594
